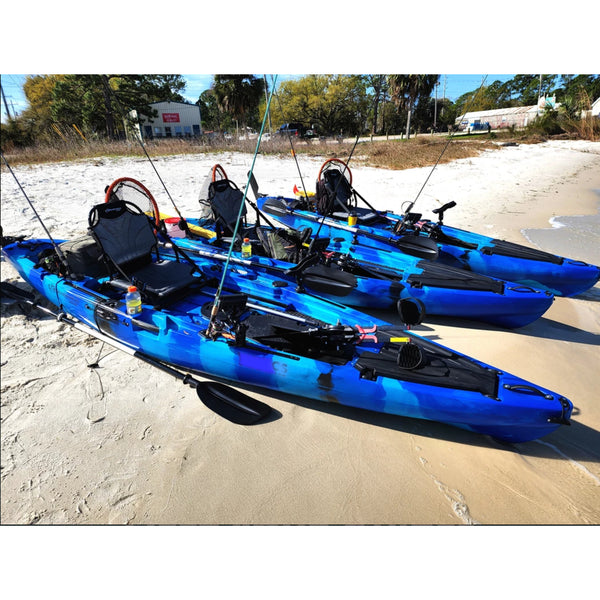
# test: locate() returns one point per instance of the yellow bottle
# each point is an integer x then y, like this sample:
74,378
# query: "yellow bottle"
133,301
246,248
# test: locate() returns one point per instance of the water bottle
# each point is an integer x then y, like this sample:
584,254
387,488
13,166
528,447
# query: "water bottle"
133,301
352,219
246,248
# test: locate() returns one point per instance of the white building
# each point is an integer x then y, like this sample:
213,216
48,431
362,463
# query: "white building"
595,110
517,116
175,119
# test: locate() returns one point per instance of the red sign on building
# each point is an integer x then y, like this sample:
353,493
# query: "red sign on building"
170,117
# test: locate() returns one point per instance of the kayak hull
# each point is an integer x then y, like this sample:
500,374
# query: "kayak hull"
447,292
512,409
459,248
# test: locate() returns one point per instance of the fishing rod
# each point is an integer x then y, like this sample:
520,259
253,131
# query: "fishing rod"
298,166
293,149
216,305
291,144
399,225
59,252
140,141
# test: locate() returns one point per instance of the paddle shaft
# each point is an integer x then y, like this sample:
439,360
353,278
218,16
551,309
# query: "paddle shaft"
230,404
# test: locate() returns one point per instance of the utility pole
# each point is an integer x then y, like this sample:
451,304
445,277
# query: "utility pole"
5,103
435,107
444,98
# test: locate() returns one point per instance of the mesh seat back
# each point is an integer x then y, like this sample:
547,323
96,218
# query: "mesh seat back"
124,233
225,200
333,193
128,240
336,182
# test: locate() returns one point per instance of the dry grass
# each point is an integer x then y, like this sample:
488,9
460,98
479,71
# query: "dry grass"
423,150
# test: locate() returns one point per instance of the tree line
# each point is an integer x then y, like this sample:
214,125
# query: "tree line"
97,106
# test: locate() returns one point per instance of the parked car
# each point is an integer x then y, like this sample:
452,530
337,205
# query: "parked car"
296,130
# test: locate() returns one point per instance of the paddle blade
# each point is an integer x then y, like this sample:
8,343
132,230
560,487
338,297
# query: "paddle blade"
420,247
8,290
232,404
327,280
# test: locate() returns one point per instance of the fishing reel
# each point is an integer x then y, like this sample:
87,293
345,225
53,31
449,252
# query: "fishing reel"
49,260
346,262
408,223
225,319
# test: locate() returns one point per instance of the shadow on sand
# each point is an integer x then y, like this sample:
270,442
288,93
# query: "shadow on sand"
577,442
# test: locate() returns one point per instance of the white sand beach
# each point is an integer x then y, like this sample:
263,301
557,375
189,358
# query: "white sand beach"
126,443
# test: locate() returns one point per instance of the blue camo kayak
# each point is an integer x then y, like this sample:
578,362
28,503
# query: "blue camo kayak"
371,230
457,248
443,291
335,275
263,344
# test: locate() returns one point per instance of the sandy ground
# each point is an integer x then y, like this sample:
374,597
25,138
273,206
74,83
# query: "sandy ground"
127,444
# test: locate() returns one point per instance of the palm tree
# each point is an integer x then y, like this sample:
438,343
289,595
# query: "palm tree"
238,95
378,83
405,90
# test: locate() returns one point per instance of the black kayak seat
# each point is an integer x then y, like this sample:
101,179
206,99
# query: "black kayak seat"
337,183
130,246
225,199
334,193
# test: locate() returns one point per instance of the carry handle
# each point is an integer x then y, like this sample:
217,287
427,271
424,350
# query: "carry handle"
521,387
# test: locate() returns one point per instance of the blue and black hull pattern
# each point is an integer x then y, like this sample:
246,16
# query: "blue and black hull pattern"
377,281
456,247
295,351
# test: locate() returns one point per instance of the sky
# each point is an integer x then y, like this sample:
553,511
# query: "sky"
455,85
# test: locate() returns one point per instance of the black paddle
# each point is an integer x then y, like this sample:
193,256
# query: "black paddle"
227,402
